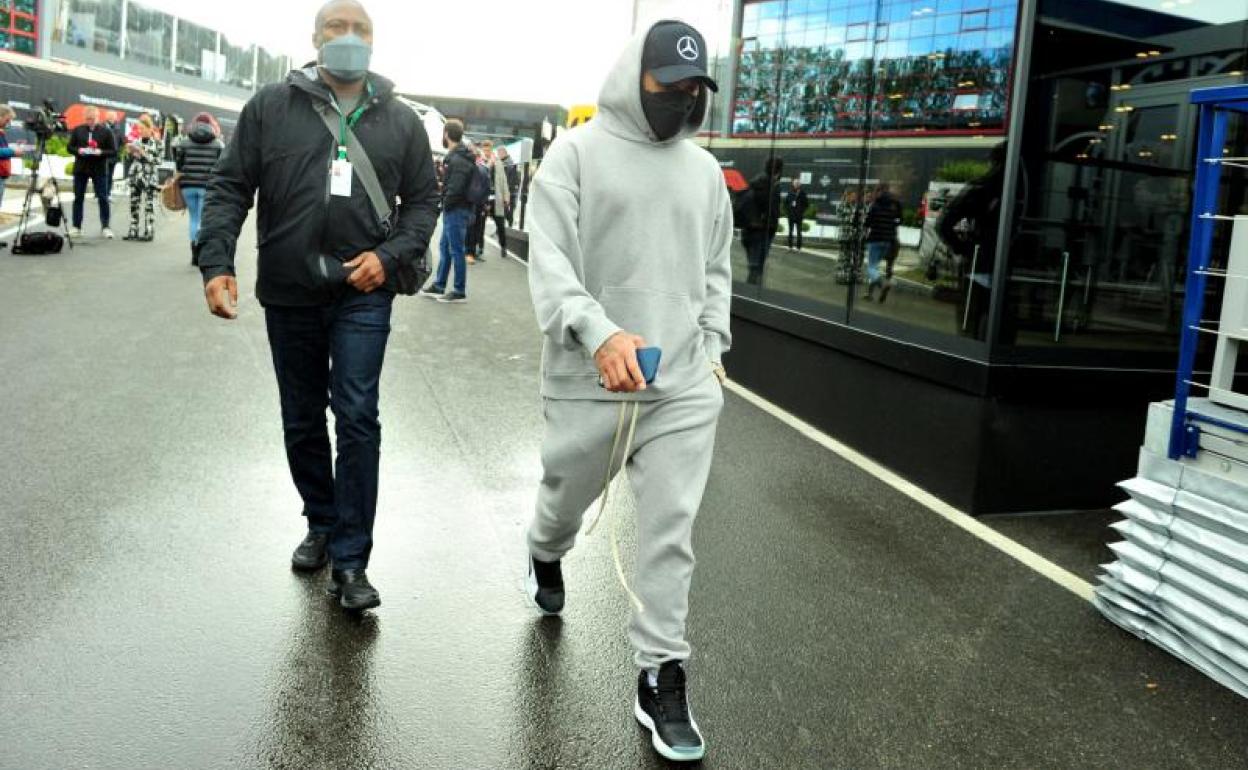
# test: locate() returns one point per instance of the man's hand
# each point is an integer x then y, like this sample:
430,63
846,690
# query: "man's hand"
367,274
222,295
617,363
18,150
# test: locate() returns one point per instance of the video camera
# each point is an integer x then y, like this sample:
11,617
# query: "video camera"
45,121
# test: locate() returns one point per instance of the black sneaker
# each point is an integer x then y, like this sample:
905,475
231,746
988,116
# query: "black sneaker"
544,586
432,292
664,711
312,553
453,297
353,590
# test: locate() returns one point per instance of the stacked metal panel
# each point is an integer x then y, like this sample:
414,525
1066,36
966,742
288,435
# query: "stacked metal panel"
1181,575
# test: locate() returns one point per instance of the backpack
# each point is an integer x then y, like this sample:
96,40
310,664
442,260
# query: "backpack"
39,243
479,187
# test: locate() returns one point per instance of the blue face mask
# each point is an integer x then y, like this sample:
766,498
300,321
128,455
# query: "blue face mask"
346,57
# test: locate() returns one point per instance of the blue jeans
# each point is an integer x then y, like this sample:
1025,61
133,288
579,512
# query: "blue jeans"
877,252
99,182
454,230
195,207
331,356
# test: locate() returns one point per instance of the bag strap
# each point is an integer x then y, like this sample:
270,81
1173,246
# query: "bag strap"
361,163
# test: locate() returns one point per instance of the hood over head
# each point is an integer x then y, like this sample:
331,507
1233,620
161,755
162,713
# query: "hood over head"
619,101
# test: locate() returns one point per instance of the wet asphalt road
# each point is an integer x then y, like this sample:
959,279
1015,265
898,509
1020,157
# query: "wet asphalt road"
149,618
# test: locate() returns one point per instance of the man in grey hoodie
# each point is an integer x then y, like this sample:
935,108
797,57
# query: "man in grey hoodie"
631,229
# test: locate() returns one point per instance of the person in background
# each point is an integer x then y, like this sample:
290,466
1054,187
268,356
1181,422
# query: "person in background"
7,153
194,157
459,166
883,219
474,242
513,181
795,204
115,123
91,146
500,204
144,181
762,217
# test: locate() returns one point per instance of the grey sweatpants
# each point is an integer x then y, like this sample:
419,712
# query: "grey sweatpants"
668,468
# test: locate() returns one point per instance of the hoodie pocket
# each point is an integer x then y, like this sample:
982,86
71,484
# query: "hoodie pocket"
664,319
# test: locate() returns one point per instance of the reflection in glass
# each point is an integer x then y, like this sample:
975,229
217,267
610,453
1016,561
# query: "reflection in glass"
1098,252
149,36
197,50
240,64
90,24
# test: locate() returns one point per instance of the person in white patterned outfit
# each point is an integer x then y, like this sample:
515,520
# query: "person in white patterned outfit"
144,182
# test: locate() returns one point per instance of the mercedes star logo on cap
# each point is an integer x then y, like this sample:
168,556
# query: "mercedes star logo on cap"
687,47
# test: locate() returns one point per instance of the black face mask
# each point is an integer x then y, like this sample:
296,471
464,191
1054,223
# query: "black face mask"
667,112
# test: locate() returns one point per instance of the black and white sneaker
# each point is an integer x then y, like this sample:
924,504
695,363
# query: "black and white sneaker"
544,586
453,298
664,711
431,292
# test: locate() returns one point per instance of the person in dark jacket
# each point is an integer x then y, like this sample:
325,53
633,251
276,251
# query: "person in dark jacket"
92,147
460,165
116,124
194,157
969,225
328,270
795,204
883,219
762,217
513,182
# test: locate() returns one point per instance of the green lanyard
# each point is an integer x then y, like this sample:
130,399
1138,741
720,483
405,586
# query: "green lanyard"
349,121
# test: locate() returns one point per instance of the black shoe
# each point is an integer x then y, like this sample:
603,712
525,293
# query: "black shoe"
453,298
545,586
353,590
432,292
311,554
664,711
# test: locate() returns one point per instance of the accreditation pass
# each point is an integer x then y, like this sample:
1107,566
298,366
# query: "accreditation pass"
340,176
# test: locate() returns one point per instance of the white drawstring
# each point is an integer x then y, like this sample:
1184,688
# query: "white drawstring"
606,490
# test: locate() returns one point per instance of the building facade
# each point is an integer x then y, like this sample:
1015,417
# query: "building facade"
1042,152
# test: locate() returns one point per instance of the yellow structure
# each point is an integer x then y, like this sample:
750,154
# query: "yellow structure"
581,113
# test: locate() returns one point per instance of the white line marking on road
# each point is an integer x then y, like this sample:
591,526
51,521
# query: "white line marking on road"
1060,575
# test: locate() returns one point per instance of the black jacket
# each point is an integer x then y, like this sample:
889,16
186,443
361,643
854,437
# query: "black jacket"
461,164
765,202
196,155
90,165
796,203
883,218
282,149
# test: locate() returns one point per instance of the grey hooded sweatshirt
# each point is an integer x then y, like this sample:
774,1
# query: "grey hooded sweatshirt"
628,233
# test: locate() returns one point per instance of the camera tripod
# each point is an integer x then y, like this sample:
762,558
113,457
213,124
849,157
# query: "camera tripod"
32,190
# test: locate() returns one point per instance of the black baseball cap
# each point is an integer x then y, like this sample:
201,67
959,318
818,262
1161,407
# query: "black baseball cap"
674,52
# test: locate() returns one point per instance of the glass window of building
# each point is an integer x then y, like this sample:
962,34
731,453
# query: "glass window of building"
1099,239
149,36
90,24
240,64
883,115
197,50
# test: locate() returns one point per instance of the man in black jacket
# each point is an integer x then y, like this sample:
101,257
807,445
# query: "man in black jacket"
115,125
93,147
328,270
762,217
795,205
460,164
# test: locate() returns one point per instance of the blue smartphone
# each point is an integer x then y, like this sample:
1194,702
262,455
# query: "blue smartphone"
648,360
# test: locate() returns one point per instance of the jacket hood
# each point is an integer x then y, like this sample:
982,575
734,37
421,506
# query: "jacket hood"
202,133
309,79
619,101
462,151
